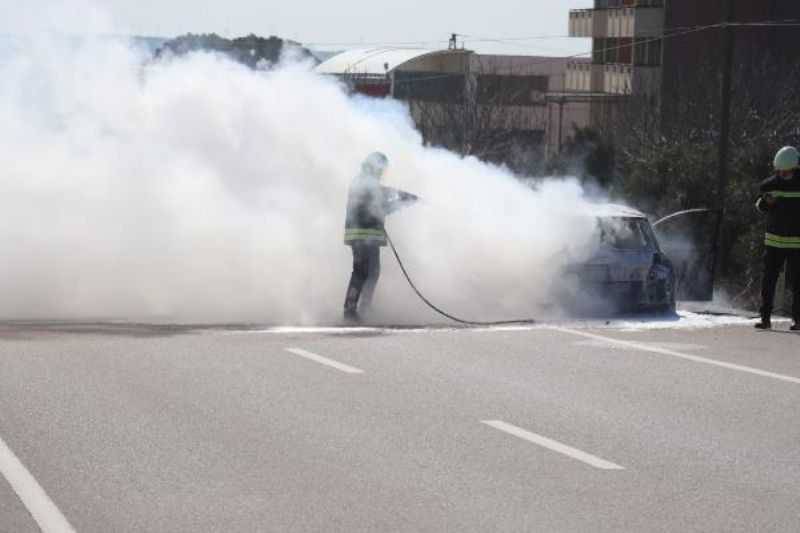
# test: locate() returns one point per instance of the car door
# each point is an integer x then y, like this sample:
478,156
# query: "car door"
688,240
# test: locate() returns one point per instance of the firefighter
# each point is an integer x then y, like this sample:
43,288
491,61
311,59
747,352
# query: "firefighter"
368,204
780,202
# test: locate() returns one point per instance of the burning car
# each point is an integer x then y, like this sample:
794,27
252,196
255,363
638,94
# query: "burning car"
625,268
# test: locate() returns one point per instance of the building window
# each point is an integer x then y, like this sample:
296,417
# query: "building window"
647,52
598,55
610,51
511,90
429,86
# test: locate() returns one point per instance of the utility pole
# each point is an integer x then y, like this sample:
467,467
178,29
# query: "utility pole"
724,134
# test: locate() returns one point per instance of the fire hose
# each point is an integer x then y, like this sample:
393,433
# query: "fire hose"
520,321
444,313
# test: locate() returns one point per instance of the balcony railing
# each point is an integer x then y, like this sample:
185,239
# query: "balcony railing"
605,4
618,79
617,22
587,22
584,77
634,22
628,79
615,78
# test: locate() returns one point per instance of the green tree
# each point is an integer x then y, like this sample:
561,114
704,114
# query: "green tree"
588,155
251,50
667,161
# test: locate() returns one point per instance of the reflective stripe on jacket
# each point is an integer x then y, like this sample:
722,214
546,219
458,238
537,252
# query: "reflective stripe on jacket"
776,241
368,204
783,217
366,211
377,236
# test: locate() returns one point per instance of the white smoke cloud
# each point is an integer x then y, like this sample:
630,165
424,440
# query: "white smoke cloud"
195,189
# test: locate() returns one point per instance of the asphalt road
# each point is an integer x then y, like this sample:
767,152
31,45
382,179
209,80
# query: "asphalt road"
551,428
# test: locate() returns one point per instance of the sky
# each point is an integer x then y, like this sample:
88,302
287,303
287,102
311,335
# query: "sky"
326,25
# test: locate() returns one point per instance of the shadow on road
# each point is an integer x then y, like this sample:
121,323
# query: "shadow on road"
35,329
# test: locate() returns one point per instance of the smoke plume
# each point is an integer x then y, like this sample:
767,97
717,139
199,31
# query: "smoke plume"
195,189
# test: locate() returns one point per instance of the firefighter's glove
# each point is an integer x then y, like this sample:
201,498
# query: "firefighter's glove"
409,198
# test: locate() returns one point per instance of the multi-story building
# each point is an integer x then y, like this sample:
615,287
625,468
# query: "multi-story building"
626,47
650,47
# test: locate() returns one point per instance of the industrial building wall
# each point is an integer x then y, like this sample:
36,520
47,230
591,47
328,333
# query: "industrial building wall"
557,119
511,98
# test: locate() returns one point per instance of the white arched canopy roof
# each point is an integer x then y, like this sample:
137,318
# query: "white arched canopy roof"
372,61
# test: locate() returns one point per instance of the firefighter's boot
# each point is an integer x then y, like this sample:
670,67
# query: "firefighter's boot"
351,306
766,322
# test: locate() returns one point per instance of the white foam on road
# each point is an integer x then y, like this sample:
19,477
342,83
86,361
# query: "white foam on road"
33,497
336,330
325,361
684,320
346,330
680,355
553,445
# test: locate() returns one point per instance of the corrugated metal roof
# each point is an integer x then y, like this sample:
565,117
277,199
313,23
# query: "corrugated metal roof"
372,61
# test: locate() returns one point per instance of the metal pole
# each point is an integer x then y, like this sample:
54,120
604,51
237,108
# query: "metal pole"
724,136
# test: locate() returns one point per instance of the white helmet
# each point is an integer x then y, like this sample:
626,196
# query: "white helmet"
375,164
787,158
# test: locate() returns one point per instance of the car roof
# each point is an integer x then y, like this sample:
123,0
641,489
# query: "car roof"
614,211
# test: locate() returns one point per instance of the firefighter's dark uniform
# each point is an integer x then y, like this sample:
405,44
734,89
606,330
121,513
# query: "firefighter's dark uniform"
368,204
782,239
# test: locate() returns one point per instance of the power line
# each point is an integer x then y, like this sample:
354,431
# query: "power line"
517,42
472,38
377,43
663,37
544,37
789,24
476,38
510,40
574,56
668,34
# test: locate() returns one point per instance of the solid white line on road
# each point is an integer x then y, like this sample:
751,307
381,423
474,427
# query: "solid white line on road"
553,445
672,353
325,361
39,505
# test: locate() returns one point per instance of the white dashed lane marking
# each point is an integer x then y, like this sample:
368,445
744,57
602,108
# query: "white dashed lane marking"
672,353
32,495
553,445
325,361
